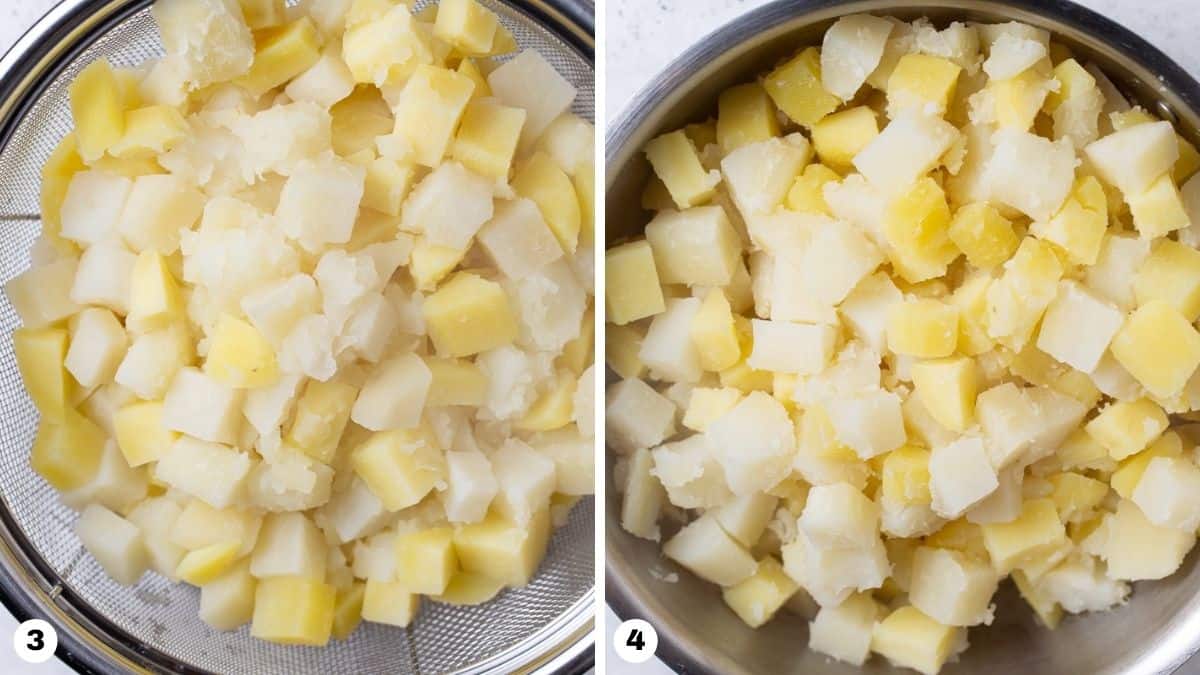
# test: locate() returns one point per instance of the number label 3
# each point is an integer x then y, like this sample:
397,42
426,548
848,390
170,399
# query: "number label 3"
635,641
35,641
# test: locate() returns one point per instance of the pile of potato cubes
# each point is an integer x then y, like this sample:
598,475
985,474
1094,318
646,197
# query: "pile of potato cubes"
910,318
309,323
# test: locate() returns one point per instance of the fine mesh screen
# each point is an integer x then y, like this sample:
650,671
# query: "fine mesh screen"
161,614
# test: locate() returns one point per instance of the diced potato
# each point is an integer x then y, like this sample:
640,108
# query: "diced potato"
426,560
394,395
1158,209
952,588
843,631
41,355
1080,225
115,542
1133,158
140,432
467,25
213,472
60,167
540,180
705,549
528,81
1171,273
807,194
467,315
280,54
390,603
1037,530
924,328
983,235
745,114
347,610
1158,347
487,138
502,550
961,475
839,137
947,388
904,151
677,164
756,599
67,452
205,565
293,610
1138,549
1126,428
1078,327
839,516
227,602
922,83
400,466
850,51
910,639
797,89
97,107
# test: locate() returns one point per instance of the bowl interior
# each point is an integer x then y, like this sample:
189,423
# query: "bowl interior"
1158,628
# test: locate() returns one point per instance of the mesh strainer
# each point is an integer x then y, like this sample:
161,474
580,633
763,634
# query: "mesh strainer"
153,627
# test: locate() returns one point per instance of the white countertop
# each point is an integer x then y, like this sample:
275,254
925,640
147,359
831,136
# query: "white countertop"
644,36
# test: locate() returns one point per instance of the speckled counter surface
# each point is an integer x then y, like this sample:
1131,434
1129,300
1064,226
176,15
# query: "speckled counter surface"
643,36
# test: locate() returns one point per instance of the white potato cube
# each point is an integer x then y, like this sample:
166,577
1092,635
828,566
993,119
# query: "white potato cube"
1080,585
843,630
325,83
526,479
745,518
212,472
951,587
471,486
866,309
1004,504
518,240
265,408
839,516
288,545
711,554
754,443
668,350
637,416
513,378
280,138
152,361
528,81
869,422
571,141
549,305
199,406
275,308
905,150
1120,257
690,473
158,207
787,347
42,294
319,202
696,246
369,329
1169,493
830,575
92,206
1030,173
354,512
1111,378
1010,56
308,348
1078,327
574,460
393,397
833,261
960,476
448,206
210,36
114,542
104,277
1138,549
289,481
155,517
759,174
227,602
98,343
850,51
1134,157
859,203
115,485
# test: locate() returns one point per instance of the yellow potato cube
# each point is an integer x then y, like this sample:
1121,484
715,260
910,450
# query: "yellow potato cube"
1036,531
1127,427
383,42
960,535
487,138
742,376
149,132
971,300
909,639
677,164
67,452
1045,608
745,114
541,180
468,588
1159,347
917,225
924,327
984,235
554,409
578,354
430,107
1076,496
455,382
1158,209
1019,99
205,564
387,184
41,355
807,194
1079,226
1171,274
622,346
503,550
713,333
1073,80
922,83
468,26
140,432
756,599
60,167
321,416
1081,451
347,610
400,466
837,138
1126,478
707,404
239,355
426,560
430,263
632,289
280,54
904,478
97,107
947,387
468,315
796,89
358,119
263,13
293,611
389,602
154,298
470,68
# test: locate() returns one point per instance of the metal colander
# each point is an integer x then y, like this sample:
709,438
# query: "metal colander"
108,628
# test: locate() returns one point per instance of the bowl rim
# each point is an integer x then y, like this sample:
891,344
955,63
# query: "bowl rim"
29,587
734,33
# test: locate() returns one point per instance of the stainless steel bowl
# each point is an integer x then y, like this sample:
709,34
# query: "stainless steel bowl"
1160,627
153,627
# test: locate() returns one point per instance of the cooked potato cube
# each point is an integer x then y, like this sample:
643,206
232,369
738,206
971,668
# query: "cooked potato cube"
1078,327
924,328
227,602
839,516
391,603
951,587
695,247
41,355
467,315
280,54
850,51
467,25
839,137
983,235
1159,347
540,180
797,89
67,452
843,631
1158,209
753,443
97,107
1036,531
1171,273
904,151
756,599
713,333
677,164
502,550
425,560
960,476
213,472
487,138
745,114
400,466
705,549
527,81
1138,549
293,610
922,83
1133,158
115,542
910,639
947,388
